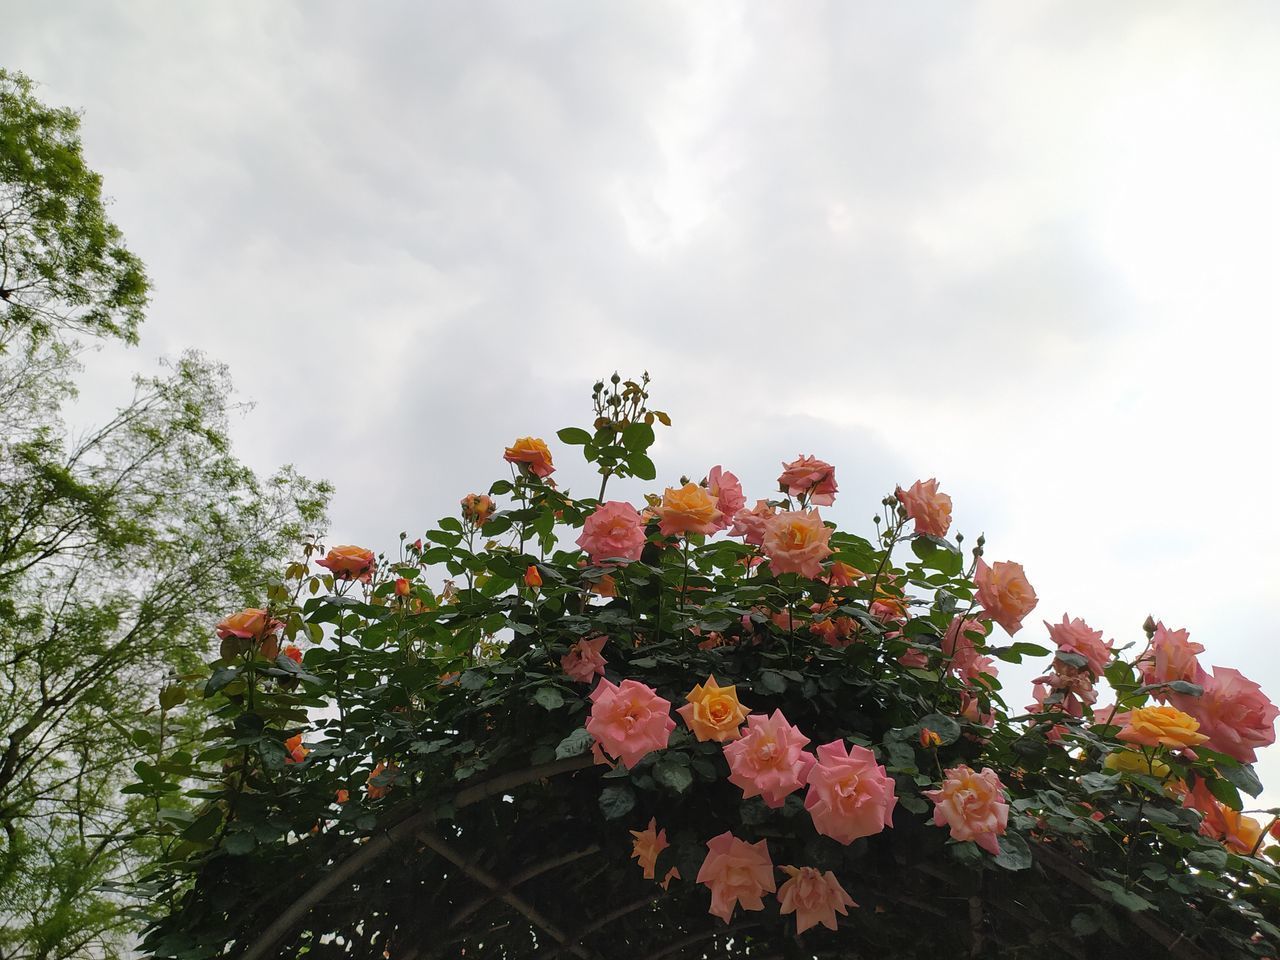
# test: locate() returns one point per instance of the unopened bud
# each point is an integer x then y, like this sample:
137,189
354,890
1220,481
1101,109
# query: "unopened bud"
929,739
615,379
876,520
1149,627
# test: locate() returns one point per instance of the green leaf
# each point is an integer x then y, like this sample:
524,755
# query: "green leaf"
1244,777
549,698
1225,791
1084,924
772,682
204,827
473,680
673,775
574,436
238,843
221,677
637,437
1015,854
1125,898
575,744
617,801
945,727
641,466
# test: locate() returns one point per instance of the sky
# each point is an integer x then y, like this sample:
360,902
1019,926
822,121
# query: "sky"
1029,248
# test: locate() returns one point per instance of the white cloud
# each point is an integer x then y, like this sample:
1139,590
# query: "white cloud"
1030,248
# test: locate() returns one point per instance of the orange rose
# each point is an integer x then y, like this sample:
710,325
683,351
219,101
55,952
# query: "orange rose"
533,453
350,563
691,509
295,750
532,578
403,587
477,509
713,712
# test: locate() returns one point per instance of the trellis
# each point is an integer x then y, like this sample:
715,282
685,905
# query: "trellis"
445,930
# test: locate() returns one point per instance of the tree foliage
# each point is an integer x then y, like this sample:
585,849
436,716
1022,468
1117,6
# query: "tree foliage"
424,779
116,545
63,263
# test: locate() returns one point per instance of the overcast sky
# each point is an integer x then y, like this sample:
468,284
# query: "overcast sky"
1029,248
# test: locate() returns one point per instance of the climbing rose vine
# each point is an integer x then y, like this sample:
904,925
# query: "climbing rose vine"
749,713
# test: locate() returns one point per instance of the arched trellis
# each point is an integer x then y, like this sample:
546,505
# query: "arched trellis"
503,893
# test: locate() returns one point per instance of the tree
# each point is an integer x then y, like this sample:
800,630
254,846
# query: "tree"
119,548
63,264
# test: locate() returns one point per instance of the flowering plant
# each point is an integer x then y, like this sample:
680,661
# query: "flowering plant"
704,726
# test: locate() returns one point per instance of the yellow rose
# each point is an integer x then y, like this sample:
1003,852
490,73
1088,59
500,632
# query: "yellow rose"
1129,761
713,712
1161,727
688,510
533,453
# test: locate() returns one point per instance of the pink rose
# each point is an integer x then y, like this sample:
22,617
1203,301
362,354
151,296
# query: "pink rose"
1005,594
814,897
914,659
1233,712
795,541
1074,636
850,795
962,656
726,490
614,531
629,720
930,509
1172,656
750,524
973,806
769,759
810,479
583,661
737,873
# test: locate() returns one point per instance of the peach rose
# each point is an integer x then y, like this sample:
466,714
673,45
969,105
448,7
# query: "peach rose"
350,563
1234,713
584,661
403,587
750,524
648,843
240,631
532,453
294,653
769,760
737,873
813,897
973,805
687,510
614,531
914,659
930,509
1158,727
796,541
810,479
629,720
843,574
1075,636
726,490
1004,593
713,712
672,874
850,795
249,624
477,508
1172,656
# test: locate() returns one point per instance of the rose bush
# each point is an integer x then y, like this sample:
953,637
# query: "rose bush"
845,753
